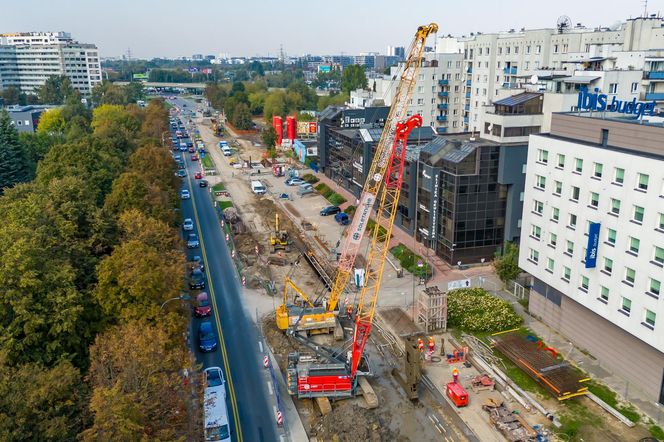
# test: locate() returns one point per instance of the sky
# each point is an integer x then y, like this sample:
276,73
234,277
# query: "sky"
172,28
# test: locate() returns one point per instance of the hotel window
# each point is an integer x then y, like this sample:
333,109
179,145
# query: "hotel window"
642,182
572,220
541,182
597,172
658,256
561,160
534,256
594,199
536,231
527,66
611,236
615,206
575,193
508,50
558,188
570,248
660,223
538,207
567,273
608,265
603,293
555,214
638,214
649,318
613,88
565,48
635,87
626,305
655,287
634,244
550,265
527,49
538,49
630,275
619,175
555,49
543,156
500,52
584,283
578,165
553,239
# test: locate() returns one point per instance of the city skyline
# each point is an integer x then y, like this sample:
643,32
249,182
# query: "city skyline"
296,29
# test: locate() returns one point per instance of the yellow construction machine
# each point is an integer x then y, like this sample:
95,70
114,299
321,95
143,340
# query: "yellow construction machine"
300,314
279,239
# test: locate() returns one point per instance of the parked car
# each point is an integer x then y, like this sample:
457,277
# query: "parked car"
182,173
330,210
342,218
207,341
198,175
177,158
192,241
214,377
184,194
183,147
196,279
304,189
197,263
192,150
294,181
187,225
190,145
194,157
202,306
181,165
203,183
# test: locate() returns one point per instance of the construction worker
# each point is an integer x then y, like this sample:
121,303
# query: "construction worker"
455,375
432,344
420,344
349,311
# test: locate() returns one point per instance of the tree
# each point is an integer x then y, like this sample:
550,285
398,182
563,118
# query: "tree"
353,77
134,190
275,104
56,90
242,117
155,123
11,95
269,137
238,86
256,102
115,124
51,122
36,146
507,265
14,166
332,100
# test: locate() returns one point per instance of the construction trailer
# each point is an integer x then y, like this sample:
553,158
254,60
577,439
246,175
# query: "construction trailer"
432,309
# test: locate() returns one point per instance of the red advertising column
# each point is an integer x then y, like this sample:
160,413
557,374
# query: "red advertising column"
278,125
291,128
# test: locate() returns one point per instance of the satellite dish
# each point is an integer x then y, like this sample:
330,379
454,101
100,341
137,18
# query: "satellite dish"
564,22
534,79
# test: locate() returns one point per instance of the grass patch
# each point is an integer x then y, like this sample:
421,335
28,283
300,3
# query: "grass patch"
476,310
350,210
370,226
611,398
218,187
408,260
324,190
336,199
310,178
656,431
207,162
225,204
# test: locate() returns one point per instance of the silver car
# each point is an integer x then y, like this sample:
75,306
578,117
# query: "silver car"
188,224
192,241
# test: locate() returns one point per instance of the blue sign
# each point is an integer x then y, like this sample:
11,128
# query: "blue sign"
599,102
593,243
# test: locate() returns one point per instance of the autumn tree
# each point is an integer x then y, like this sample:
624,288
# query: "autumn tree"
51,122
114,124
155,124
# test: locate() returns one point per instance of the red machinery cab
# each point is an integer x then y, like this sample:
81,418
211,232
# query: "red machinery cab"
458,394
314,380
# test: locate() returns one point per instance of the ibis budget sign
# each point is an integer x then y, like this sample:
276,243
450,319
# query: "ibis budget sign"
600,103
593,243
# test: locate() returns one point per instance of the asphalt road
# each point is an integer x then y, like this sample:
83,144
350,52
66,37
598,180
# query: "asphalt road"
249,405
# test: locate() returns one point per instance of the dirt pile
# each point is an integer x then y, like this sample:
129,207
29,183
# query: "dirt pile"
349,422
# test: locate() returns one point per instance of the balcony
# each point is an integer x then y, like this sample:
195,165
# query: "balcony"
468,82
655,75
509,85
441,130
441,118
467,94
443,106
443,82
443,94
467,107
657,96
465,120
469,70
509,71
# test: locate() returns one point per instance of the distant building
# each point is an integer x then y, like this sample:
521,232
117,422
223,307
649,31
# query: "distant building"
25,118
28,59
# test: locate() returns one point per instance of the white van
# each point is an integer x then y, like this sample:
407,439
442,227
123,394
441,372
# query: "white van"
258,188
226,151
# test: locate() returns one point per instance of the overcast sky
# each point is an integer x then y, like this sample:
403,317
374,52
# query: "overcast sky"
153,28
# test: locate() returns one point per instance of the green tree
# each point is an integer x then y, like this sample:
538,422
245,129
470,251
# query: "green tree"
242,117
269,137
353,77
134,190
14,165
116,124
11,95
51,122
507,265
256,102
238,86
332,100
275,104
36,146
56,90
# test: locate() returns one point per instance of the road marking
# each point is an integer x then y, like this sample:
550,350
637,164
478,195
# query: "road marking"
231,388
269,387
260,345
274,408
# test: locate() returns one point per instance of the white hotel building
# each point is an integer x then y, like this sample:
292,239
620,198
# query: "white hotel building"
595,169
28,59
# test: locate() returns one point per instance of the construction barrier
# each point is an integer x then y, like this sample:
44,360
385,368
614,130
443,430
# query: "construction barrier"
266,361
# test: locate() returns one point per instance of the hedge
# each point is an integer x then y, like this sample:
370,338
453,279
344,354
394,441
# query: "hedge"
350,210
408,260
309,178
476,310
324,190
336,199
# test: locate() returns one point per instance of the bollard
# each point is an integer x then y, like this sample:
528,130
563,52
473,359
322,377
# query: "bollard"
266,361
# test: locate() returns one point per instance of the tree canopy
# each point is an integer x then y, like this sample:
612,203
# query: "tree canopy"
14,166
353,77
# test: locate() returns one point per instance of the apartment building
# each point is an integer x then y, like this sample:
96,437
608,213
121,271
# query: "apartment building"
593,239
28,59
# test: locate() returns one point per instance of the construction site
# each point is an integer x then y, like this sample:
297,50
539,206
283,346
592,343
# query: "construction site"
367,355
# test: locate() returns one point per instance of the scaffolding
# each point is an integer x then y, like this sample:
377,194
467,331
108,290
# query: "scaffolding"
432,309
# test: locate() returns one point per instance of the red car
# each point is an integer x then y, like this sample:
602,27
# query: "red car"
198,175
202,306
194,157
192,150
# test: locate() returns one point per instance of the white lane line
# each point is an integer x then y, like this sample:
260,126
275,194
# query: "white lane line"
438,428
269,387
274,408
431,419
260,345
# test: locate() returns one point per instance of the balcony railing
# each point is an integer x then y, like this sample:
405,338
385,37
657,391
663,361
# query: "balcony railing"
655,75
467,94
441,130
468,82
443,106
469,70
443,94
465,120
509,71
509,85
657,96
441,118
443,82
467,107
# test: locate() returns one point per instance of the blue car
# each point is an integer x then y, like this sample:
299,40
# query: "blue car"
342,218
207,341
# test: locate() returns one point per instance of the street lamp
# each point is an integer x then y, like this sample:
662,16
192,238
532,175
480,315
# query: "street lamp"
182,297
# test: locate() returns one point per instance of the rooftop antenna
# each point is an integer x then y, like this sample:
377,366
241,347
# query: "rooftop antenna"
281,53
563,23
645,8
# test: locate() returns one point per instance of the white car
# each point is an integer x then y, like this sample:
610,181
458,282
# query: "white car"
188,224
184,194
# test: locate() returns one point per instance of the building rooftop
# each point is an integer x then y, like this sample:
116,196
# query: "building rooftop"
518,99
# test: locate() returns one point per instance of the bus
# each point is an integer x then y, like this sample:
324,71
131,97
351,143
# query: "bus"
217,427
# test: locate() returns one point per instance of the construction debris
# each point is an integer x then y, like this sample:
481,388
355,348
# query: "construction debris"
511,425
482,382
432,309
